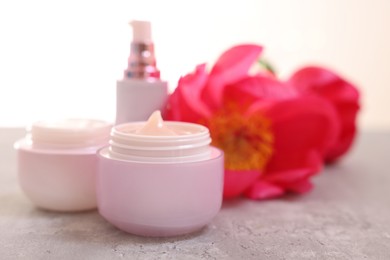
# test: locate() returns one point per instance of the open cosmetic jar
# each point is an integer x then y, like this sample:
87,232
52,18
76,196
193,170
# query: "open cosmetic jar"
57,163
159,178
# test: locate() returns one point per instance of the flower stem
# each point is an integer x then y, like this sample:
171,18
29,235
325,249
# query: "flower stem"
267,66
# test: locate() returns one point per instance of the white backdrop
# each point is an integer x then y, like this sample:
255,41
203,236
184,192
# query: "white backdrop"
62,58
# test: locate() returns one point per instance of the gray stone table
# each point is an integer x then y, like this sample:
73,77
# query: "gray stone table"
346,216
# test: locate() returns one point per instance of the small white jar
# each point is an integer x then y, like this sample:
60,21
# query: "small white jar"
57,163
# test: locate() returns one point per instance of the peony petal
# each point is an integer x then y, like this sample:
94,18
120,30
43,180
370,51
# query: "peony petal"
257,88
236,182
347,133
263,190
303,123
185,104
301,187
232,66
304,128
296,167
324,82
341,94
294,177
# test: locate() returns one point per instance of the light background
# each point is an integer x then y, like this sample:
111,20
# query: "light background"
62,58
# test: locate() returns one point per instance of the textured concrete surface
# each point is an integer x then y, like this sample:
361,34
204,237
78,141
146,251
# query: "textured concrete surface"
347,216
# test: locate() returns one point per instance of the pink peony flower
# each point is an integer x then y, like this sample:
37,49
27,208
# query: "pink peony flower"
342,95
274,138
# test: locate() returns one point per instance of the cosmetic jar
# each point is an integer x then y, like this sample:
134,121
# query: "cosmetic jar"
57,163
163,182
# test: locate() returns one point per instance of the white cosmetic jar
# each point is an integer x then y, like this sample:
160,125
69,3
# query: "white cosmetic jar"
57,163
160,185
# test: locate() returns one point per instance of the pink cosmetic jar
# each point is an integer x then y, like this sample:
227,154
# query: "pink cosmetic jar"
152,185
57,163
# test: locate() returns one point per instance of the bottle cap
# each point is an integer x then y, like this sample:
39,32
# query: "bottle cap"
141,31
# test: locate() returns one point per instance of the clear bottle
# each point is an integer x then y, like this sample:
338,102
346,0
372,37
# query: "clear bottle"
141,91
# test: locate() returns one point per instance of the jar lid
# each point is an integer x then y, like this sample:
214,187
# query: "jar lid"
70,132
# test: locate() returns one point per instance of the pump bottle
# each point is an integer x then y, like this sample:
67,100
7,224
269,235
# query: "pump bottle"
141,91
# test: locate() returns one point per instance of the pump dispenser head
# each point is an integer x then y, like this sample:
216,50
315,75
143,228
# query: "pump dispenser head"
142,61
142,31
